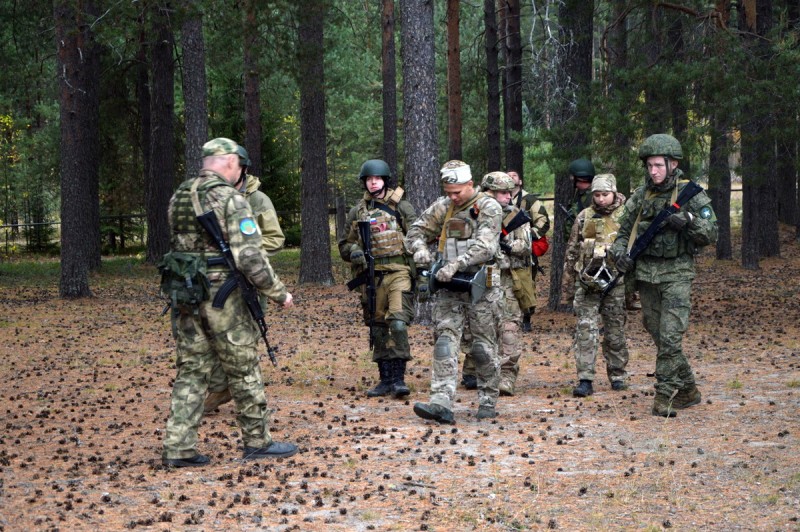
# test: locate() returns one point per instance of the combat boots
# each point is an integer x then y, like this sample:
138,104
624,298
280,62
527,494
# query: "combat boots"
686,397
662,406
486,412
632,301
584,389
384,387
434,412
216,399
470,382
399,388
526,322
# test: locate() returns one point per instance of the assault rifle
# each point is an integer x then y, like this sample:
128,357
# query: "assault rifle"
517,220
691,190
237,279
570,216
367,277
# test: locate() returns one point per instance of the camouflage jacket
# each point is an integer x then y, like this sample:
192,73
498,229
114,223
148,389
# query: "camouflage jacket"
518,253
390,218
272,238
540,220
238,228
580,201
593,233
670,256
471,233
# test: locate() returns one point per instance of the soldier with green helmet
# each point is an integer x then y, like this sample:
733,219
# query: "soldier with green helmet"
581,173
207,336
665,270
390,215
272,240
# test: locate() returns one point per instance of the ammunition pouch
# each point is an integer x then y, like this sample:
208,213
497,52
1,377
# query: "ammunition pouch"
183,279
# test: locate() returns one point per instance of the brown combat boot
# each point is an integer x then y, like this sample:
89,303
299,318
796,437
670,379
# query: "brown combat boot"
632,301
662,406
216,399
686,397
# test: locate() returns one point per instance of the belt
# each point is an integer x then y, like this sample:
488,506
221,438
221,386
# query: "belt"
397,259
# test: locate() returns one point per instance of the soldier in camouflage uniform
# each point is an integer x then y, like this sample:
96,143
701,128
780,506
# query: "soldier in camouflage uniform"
581,173
207,336
524,288
390,215
665,270
467,224
588,268
514,254
272,240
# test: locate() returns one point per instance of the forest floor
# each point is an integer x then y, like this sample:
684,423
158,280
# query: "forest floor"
85,390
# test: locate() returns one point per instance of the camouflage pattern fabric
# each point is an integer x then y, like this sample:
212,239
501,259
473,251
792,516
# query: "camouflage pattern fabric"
580,200
590,308
206,336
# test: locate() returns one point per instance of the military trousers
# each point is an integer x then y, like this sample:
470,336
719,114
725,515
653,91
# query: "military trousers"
665,313
205,339
394,310
590,307
452,312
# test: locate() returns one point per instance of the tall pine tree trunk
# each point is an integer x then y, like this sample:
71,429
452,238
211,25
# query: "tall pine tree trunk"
389,76
78,67
143,95
252,95
315,244
492,88
161,180
194,91
719,184
453,81
513,87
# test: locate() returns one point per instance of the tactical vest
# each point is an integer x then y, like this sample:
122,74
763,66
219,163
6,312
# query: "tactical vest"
599,232
187,234
386,224
460,229
667,243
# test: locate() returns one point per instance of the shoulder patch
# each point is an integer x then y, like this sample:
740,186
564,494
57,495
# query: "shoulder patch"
705,212
248,226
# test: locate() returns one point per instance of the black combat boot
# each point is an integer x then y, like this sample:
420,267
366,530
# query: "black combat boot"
584,389
434,412
399,388
526,322
384,387
470,382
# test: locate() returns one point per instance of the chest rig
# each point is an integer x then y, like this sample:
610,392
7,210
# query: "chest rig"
386,224
186,231
667,243
598,233
459,229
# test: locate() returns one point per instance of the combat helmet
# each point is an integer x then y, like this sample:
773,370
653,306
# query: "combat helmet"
244,157
660,144
376,167
497,181
582,169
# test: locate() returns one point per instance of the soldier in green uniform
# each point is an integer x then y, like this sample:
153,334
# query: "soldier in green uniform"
207,336
588,268
664,272
581,173
467,224
272,240
390,215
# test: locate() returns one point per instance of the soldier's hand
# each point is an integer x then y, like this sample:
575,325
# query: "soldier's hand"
446,272
679,220
357,258
422,257
288,302
624,263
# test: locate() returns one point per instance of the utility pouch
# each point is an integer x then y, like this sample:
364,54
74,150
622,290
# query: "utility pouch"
183,279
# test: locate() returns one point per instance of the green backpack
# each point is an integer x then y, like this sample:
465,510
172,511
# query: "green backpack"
183,279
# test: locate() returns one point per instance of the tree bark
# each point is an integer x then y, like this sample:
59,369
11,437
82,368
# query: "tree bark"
492,88
453,80
143,95
315,245
161,180
252,95
389,76
617,65
719,185
513,100
194,91
78,67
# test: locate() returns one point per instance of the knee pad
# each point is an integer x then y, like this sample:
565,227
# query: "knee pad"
443,348
397,326
481,353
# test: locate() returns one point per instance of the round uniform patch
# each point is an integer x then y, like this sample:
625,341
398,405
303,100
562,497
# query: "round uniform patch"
247,226
705,212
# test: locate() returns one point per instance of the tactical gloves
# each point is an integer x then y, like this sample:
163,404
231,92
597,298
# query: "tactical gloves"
679,220
623,263
445,274
422,257
357,257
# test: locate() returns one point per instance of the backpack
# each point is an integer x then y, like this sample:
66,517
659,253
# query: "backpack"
183,279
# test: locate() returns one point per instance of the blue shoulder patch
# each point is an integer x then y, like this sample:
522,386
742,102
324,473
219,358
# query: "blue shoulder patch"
705,212
248,226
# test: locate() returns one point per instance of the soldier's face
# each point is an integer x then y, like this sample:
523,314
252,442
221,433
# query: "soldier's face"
602,198
503,197
515,177
659,167
459,194
374,183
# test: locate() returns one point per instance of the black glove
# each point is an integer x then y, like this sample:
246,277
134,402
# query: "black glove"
679,220
624,263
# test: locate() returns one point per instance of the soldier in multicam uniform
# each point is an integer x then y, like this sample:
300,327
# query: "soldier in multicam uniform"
206,336
588,268
665,270
513,254
525,269
390,215
272,240
467,224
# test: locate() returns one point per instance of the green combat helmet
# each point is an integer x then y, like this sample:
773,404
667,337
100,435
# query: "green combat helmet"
244,157
582,169
375,167
660,144
498,181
